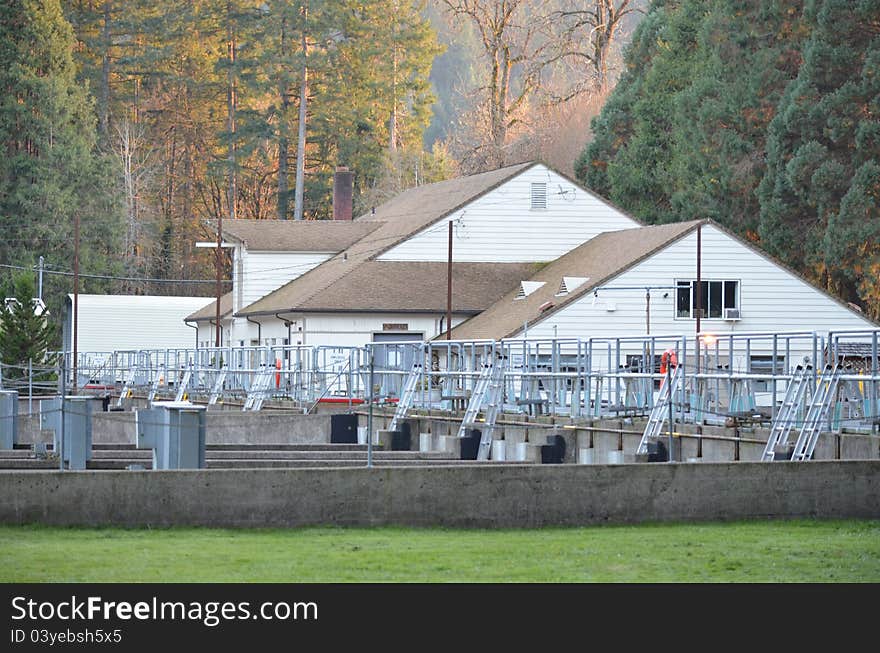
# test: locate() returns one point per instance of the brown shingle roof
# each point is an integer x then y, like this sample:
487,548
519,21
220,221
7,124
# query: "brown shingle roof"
209,312
404,286
297,235
398,219
600,259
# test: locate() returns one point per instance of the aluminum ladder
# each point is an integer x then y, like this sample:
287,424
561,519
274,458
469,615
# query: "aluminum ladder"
129,383
217,390
259,389
184,383
488,391
660,411
154,385
405,402
817,415
786,416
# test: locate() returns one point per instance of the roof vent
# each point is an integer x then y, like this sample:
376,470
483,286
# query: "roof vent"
526,288
570,283
539,195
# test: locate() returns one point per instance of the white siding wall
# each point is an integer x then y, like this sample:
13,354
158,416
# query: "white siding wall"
256,274
207,336
343,330
771,298
123,322
501,226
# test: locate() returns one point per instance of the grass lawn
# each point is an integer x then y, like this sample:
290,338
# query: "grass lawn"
756,551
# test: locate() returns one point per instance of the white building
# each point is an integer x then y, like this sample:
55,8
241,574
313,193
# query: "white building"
530,247
107,323
383,276
642,281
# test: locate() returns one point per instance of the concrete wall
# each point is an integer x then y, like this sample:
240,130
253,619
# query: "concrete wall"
609,439
222,427
463,496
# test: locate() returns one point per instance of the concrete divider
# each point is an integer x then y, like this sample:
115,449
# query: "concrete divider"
222,427
463,496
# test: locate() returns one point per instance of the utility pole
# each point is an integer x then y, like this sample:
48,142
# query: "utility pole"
75,293
449,287
370,411
219,279
699,292
671,411
40,282
303,116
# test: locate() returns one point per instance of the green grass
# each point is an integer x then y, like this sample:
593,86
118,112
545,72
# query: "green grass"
768,551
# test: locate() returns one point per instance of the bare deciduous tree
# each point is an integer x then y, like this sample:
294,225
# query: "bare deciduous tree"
511,33
131,146
585,33
539,54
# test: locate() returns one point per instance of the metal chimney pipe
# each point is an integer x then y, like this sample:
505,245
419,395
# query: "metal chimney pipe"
342,193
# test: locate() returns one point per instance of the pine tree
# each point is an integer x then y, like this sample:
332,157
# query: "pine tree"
819,198
26,334
51,169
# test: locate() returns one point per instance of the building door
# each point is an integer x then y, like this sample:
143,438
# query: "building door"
393,358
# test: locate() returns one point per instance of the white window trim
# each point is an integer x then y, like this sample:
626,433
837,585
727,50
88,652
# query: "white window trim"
692,317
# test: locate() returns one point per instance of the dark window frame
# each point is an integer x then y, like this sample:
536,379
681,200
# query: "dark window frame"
716,295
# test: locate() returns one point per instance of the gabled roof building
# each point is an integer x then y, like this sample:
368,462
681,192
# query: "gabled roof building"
533,252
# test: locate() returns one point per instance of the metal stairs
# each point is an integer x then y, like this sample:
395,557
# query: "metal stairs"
260,389
129,384
155,383
660,411
817,414
786,416
405,402
487,396
184,384
217,390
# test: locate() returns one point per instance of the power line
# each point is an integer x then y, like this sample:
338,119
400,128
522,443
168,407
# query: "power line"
112,277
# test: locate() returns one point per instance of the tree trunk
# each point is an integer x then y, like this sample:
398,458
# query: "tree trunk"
301,127
230,104
283,141
104,109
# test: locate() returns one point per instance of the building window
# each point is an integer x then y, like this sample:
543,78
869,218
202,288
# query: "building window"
764,365
539,195
715,298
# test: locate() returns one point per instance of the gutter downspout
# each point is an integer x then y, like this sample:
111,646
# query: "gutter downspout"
196,327
288,324
259,330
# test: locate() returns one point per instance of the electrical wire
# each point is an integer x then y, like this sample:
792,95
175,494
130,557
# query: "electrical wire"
112,277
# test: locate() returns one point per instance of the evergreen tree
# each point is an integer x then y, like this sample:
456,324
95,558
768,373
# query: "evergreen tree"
26,333
51,169
819,208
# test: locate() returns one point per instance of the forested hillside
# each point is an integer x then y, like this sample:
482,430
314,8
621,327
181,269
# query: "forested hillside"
149,120
762,116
